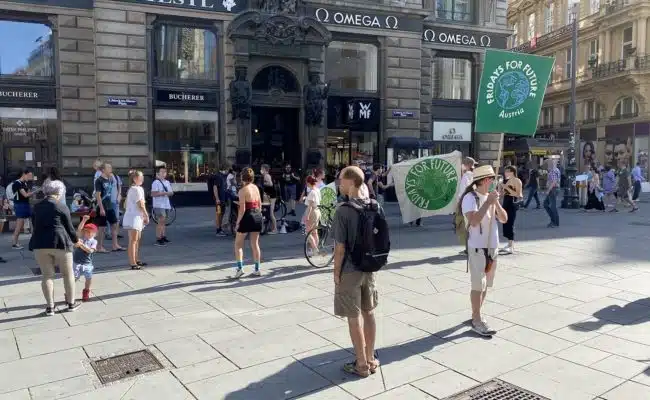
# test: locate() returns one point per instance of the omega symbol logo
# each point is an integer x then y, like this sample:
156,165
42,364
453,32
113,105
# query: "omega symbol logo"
364,111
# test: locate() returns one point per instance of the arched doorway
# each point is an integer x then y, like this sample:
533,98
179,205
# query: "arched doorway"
275,137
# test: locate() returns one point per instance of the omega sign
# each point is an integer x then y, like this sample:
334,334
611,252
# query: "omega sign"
356,19
464,39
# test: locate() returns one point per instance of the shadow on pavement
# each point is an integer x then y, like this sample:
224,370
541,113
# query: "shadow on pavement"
634,313
276,386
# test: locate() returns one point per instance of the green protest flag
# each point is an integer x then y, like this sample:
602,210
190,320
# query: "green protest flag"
511,92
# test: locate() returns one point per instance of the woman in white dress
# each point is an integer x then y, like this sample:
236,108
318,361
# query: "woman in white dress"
135,217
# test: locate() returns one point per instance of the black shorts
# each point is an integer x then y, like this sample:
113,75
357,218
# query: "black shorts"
109,219
251,221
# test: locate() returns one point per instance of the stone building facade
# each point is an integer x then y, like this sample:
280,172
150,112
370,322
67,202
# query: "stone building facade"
612,75
144,83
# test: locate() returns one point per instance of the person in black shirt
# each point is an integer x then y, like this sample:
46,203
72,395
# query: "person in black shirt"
290,180
22,209
533,186
106,214
219,194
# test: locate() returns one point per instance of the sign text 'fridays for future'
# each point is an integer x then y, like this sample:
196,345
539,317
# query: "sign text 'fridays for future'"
511,92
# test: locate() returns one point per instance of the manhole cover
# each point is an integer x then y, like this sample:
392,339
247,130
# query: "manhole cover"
496,390
126,365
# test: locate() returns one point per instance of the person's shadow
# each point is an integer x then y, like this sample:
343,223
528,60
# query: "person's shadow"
634,313
280,384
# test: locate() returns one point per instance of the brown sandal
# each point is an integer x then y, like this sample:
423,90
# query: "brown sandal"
352,368
373,365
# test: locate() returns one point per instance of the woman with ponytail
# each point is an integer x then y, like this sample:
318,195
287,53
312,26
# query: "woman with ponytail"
135,217
249,222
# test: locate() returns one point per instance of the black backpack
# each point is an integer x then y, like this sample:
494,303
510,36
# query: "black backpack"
372,243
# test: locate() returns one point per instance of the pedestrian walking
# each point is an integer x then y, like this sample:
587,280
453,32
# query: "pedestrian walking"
290,181
135,217
82,256
221,198
594,191
249,222
481,208
355,293
623,187
637,178
533,188
161,191
312,215
512,195
552,189
269,190
20,195
609,189
53,240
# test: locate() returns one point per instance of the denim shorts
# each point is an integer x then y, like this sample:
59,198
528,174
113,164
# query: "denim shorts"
86,269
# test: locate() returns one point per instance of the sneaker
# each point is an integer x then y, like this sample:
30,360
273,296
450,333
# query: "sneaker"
257,273
85,295
221,233
164,239
482,328
74,306
462,252
49,311
239,273
160,243
17,246
506,250
273,232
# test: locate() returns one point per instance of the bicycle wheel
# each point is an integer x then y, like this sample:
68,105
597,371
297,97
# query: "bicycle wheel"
280,209
325,253
171,216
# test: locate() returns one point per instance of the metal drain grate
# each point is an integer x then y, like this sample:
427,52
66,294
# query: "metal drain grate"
496,390
126,365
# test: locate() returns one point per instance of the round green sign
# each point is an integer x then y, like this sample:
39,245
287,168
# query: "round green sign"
431,184
328,198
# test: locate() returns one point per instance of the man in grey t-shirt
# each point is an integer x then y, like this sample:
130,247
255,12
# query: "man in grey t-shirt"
355,294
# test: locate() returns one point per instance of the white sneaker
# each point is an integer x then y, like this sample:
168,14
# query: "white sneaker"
239,273
273,232
507,250
257,273
482,328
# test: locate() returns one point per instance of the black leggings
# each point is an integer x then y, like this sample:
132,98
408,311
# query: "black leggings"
511,209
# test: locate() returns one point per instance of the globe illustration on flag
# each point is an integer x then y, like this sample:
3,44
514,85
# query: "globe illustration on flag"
514,89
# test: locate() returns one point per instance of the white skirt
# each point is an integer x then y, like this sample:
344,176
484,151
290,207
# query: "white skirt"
133,221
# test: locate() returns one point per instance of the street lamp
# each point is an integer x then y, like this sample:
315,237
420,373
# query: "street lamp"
570,199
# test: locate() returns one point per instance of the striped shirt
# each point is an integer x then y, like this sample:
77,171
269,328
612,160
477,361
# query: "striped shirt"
553,178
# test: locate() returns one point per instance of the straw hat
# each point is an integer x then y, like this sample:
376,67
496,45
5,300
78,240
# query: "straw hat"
483,171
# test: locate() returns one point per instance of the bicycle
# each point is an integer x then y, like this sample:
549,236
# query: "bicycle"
324,255
280,208
171,213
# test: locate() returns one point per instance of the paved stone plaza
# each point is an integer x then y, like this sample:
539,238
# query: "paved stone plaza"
572,308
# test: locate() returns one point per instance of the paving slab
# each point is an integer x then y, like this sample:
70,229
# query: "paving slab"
61,389
444,384
186,351
39,370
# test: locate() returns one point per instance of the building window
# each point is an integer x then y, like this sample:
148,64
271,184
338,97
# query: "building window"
455,10
352,66
186,142
547,116
626,107
626,48
185,53
569,61
593,49
594,6
514,39
29,53
566,111
548,17
592,110
451,78
530,32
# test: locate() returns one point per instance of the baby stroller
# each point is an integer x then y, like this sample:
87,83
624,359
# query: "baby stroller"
82,203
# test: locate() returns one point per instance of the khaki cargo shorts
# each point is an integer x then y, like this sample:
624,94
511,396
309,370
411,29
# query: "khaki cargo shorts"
481,280
357,292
